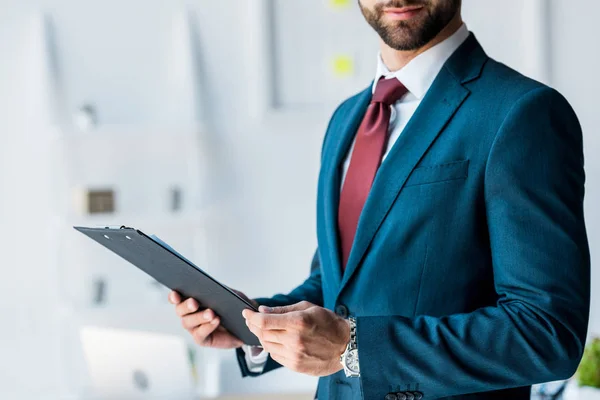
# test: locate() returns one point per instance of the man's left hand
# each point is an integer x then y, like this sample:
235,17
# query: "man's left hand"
302,337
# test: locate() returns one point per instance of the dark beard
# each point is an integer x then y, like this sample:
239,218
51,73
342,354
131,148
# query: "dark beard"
411,34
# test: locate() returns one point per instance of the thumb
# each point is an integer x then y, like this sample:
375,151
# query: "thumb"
303,305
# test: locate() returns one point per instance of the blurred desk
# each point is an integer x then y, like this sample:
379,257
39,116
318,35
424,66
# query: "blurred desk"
308,396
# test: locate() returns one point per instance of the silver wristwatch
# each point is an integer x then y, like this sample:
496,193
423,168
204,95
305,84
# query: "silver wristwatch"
349,359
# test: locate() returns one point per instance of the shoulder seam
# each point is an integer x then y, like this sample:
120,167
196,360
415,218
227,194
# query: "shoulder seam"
509,113
518,102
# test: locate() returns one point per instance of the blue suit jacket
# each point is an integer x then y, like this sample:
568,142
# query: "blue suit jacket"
470,268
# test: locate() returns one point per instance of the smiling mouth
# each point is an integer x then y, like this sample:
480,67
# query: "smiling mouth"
404,13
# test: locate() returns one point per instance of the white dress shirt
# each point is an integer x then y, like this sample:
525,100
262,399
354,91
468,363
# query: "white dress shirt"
417,76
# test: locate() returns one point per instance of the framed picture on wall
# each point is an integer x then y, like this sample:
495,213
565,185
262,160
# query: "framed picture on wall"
305,58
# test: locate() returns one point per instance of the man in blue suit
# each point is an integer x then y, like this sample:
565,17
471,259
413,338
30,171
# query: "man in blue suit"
453,260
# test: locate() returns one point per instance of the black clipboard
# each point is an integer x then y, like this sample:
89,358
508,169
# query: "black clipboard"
176,273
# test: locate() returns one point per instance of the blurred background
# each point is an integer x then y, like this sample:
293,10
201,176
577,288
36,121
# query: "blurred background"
201,122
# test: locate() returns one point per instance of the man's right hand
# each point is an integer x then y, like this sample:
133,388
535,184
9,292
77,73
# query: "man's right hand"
203,324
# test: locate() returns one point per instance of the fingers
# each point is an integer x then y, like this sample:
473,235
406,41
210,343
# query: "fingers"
192,321
286,356
270,341
214,335
222,339
202,333
211,333
202,324
302,306
174,298
275,349
280,354
266,321
267,336
189,306
295,320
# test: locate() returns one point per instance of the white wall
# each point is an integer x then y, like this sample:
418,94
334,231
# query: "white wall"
575,66
263,162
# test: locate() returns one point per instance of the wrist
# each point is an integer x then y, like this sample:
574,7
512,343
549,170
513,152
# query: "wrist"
346,329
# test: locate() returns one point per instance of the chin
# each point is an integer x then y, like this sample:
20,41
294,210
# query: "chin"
404,41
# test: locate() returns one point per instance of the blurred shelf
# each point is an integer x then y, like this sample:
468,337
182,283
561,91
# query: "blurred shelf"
127,141
139,131
159,318
180,219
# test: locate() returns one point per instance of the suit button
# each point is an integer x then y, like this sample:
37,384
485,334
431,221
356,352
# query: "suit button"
410,396
401,396
391,396
418,395
342,311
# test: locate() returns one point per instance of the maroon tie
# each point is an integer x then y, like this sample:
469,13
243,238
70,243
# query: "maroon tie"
369,147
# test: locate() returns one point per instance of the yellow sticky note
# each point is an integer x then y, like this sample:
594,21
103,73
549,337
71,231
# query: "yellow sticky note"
343,66
339,3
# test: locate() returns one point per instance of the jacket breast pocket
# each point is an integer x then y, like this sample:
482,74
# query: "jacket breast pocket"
438,173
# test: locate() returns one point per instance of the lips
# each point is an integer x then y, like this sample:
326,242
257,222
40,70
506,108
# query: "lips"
403,13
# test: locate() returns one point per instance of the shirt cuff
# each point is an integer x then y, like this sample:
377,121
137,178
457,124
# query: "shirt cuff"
256,358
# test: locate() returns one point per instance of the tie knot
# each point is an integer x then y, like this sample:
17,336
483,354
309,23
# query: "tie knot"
389,91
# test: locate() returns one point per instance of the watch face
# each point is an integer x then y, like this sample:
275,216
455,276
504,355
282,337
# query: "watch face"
352,361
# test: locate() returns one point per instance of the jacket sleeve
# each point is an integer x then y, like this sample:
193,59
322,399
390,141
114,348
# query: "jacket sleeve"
310,291
534,189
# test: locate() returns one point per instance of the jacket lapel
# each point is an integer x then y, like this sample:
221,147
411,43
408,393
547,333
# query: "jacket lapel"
341,137
436,109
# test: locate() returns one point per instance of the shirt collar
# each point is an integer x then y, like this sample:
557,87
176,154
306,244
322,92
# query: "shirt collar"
418,75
